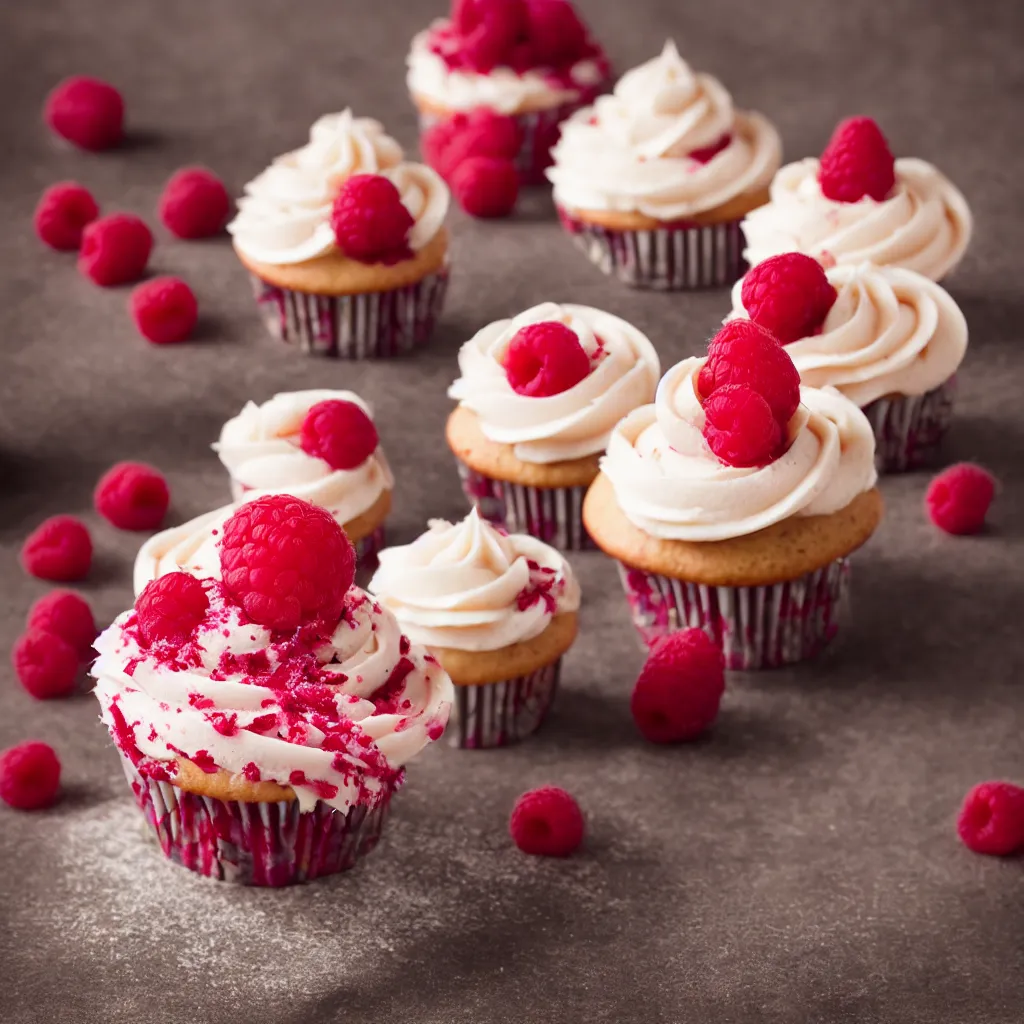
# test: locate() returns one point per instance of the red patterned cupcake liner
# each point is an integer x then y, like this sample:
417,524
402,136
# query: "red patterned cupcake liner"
496,714
372,325
756,627
908,428
678,258
266,844
551,514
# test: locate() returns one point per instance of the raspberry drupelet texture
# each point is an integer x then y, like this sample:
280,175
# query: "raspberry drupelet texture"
58,549
370,221
481,132
485,186
67,615
115,249
170,608
739,426
490,30
29,776
788,295
338,432
62,213
857,162
958,499
680,688
132,496
87,112
287,563
992,819
165,310
46,664
545,359
547,822
194,203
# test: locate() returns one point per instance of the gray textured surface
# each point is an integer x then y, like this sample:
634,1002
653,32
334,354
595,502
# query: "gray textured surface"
801,865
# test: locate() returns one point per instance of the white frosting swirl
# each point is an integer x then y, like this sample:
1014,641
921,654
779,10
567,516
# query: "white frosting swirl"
473,587
192,547
630,151
924,224
890,332
576,422
215,700
670,485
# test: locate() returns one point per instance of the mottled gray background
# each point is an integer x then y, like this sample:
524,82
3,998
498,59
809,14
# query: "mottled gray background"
799,866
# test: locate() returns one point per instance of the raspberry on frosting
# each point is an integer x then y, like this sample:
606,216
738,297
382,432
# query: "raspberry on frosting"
992,819
857,162
338,432
46,664
87,112
67,615
29,776
170,608
958,499
194,203
132,496
59,549
370,221
490,30
164,309
788,295
486,187
547,822
739,426
62,213
115,249
545,359
557,36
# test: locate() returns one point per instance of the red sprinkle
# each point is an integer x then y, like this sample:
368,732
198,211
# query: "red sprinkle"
251,772
545,359
371,223
857,162
59,549
992,819
338,432
958,499
547,822
225,724
29,776
87,112
62,213
739,427
486,186
69,616
132,496
170,608
115,249
46,665
164,310
194,203
788,295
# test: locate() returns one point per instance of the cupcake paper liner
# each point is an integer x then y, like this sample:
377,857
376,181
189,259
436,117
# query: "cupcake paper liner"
908,428
668,259
496,714
266,844
756,627
551,514
371,325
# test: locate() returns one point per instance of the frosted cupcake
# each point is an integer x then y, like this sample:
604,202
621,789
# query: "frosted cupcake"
653,181
734,502
538,398
498,611
264,720
858,204
346,243
887,338
530,60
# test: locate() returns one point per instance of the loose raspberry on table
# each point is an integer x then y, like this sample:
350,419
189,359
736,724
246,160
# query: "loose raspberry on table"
370,221
992,819
194,203
46,664
486,186
87,112
170,608
490,30
58,549
29,776
545,359
287,562
132,496
165,310
857,162
788,295
557,35
481,132
338,432
62,213
958,499
68,615
115,249
739,427
547,822
680,687
743,352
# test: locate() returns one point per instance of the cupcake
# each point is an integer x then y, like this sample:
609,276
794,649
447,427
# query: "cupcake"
887,338
346,243
857,204
653,181
497,610
538,398
734,502
529,60
264,719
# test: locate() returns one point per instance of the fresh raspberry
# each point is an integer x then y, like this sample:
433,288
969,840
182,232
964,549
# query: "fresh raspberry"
479,133
62,213
46,665
992,819
958,499
87,112
170,608
67,615
857,162
788,295
115,249
486,186
338,432
58,549
545,359
194,203
680,688
370,221
29,776
739,427
490,30
547,822
132,496
287,562
557,35
165,310
743,352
